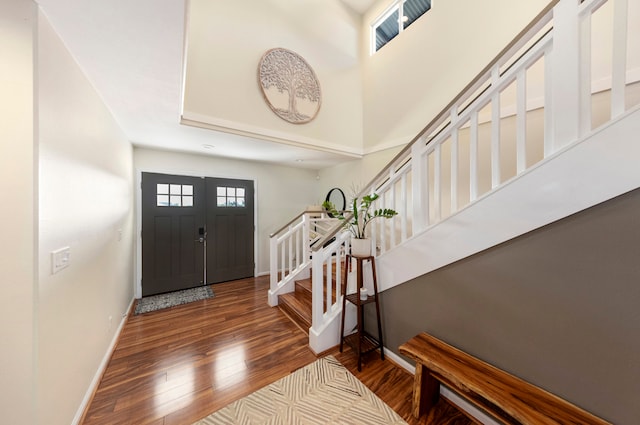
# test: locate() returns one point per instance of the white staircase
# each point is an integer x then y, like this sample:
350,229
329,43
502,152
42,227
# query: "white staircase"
602,166
525,144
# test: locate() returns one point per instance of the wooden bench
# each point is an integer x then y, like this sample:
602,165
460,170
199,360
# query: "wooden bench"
501,395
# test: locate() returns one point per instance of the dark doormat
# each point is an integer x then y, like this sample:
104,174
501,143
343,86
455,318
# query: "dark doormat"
172,299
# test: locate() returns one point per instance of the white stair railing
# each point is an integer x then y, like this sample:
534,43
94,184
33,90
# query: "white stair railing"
290,250
328,263
531,103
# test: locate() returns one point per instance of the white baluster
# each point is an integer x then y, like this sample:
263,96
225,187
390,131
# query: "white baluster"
584,75
283,272
619,62
328,283
301,245
290,251
437,186
455,129
495,129
548,104
521,122
418,183
389,201
424,161
473,156
403,207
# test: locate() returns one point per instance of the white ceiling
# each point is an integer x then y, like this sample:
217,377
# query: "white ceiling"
132,52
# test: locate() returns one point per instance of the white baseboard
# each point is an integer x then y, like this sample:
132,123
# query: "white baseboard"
103,365
469,408
400,361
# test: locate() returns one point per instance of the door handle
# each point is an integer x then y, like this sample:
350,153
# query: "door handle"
202,234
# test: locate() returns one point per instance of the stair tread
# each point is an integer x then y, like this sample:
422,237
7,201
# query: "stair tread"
297,299
304,285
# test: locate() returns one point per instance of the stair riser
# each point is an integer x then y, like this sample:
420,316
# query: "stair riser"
295,317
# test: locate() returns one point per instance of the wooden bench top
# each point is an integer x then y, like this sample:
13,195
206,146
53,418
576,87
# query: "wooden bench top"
502,395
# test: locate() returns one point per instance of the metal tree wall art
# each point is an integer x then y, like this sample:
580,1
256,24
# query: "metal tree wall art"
289,85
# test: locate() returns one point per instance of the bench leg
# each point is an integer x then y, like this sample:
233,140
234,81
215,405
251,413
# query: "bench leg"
426,390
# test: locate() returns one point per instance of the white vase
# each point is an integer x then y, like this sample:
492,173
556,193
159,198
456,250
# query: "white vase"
361,247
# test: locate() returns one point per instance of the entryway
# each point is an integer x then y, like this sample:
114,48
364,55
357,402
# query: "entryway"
195,231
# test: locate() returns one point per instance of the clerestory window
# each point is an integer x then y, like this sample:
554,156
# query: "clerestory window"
395,19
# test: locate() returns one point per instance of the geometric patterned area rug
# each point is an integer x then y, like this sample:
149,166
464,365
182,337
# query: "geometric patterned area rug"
171,299
324,392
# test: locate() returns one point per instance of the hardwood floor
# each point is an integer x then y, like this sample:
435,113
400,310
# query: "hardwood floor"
178,365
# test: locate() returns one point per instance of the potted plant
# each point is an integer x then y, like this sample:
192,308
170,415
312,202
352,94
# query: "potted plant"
356,222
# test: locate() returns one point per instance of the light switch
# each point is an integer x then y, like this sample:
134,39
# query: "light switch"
60,259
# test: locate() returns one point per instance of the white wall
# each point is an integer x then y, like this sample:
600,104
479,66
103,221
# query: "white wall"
86,203
281,192
414,76
354,175
226,40
18,215
371,103
403,91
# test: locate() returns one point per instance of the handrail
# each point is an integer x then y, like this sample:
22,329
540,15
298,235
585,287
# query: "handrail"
445,112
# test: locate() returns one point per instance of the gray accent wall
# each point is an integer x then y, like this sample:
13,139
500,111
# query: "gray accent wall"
558,307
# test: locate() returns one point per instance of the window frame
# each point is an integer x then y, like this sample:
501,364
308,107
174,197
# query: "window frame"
396,5
235,196
173,191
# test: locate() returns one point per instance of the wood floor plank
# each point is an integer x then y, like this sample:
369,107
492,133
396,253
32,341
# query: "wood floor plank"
175,366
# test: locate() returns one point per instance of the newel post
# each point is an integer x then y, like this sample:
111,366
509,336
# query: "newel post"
419,187
317,290
565,89
273,267
306,231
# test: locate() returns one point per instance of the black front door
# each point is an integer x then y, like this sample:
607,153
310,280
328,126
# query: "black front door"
182,217
230,229
173,226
